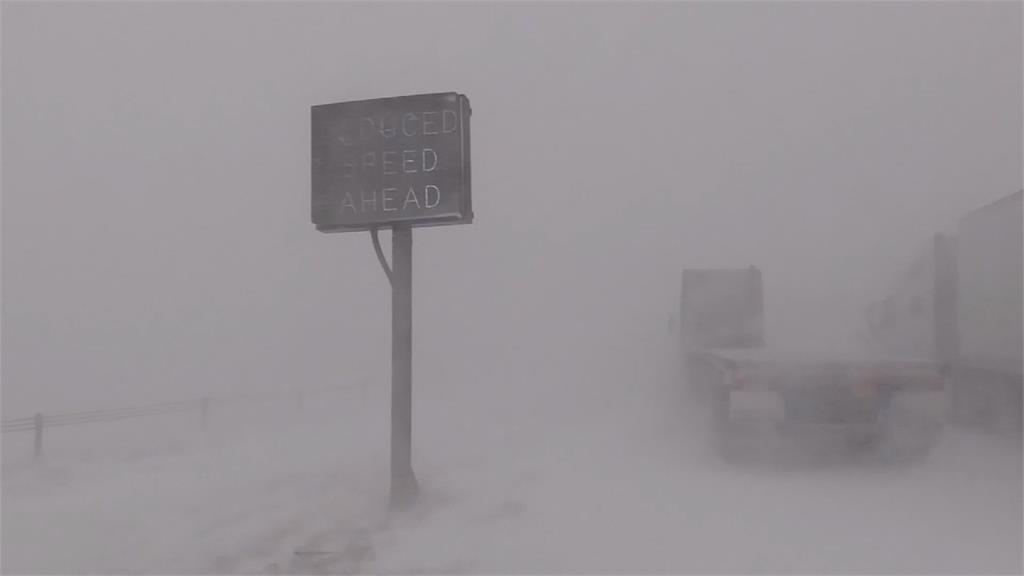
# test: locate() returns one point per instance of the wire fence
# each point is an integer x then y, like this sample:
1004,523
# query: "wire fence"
18,424
39,422
200,406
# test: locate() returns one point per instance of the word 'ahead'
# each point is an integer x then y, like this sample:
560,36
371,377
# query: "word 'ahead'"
391,161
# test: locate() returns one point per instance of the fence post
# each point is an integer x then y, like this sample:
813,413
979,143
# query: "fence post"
38,420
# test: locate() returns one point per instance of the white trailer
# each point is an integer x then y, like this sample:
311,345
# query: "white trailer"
987,369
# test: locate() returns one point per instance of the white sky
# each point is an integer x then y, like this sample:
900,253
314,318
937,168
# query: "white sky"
156,234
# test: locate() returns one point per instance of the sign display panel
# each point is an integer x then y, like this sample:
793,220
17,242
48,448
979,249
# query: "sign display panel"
400,161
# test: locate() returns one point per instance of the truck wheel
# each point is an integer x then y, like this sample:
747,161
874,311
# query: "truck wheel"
865,441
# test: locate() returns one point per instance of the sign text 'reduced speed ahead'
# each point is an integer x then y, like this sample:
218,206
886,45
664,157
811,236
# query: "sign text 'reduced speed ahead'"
391,161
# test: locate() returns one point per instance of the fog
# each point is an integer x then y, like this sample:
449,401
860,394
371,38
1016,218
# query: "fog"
157,246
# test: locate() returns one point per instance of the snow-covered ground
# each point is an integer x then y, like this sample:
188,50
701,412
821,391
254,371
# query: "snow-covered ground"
604,475
234,498
624,507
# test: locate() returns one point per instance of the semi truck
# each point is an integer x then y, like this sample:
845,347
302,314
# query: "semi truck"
751,388
959,302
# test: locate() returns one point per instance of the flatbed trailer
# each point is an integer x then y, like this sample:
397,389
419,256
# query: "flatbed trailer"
861,398
862,403
781,369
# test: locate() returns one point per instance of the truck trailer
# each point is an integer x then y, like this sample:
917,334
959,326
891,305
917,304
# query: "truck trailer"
986,383
959,302
749,387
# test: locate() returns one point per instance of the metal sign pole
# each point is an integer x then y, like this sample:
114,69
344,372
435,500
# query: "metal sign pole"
403,480
398,163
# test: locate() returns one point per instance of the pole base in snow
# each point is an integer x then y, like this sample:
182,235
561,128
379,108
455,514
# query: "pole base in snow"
404,491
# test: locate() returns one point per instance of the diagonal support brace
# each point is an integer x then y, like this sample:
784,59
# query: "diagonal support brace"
380,256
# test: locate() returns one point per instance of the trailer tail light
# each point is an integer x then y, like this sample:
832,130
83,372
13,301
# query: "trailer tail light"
864,385
739,378
864,389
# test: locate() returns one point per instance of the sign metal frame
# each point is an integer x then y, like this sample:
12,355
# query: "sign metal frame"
350,145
